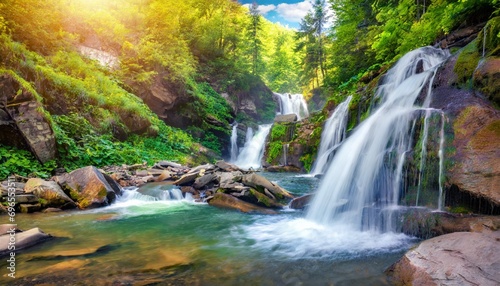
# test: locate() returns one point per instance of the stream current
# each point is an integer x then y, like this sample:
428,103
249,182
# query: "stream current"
142,241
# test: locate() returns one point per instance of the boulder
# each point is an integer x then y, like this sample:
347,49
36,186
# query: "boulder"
29,208
260,183
203,181
300,202
88,187
165,175
260,199
23,121
286,118
486,78
186,179
50,192
7,228
226,201
227,167
23,240
287,168
460,258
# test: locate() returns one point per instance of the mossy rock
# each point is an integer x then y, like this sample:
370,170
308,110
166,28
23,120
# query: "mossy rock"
466,63
491,43
487,78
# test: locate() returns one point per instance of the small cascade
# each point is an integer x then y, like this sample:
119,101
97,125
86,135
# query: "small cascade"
333,133
152,195
293,104
234,144
285,151
251,155
441,163
361,187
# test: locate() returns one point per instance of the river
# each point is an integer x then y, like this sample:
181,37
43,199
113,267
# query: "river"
140,242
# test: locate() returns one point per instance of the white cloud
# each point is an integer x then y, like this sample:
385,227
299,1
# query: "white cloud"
294,12
263,9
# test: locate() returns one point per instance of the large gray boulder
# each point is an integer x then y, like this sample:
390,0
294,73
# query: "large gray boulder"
460,258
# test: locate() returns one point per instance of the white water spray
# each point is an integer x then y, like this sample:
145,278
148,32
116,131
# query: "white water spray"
251,155
333,133
234,143
358,191
293,104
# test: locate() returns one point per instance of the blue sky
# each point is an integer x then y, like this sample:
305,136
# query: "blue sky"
287,12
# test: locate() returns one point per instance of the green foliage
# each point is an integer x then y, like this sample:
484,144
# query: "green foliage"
278,132
23,163
274,151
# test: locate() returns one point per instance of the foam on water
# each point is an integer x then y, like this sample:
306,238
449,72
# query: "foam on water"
298,238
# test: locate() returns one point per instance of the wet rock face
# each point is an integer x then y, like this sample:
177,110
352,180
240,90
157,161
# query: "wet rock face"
486,78
25,126
461,258
472,141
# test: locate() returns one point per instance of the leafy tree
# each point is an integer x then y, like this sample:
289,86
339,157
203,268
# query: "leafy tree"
253,36
311,41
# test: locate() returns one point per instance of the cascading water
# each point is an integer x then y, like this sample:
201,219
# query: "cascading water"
251,155
293,104
249,136
234,144
333,133
361,186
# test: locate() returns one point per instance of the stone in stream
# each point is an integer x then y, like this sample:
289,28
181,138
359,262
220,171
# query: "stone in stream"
203,181
23,239
460,258
260,183
229,202
300,202
50,192
186,179
89,187
227,167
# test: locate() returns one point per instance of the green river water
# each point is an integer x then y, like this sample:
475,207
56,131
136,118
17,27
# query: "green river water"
141,242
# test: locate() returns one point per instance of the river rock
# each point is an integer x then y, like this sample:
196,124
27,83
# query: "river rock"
89,187
29,208
300,202
49,191
203,181
260,183
461,258
229,202
23,240
260,199
286,118
187,179
227,167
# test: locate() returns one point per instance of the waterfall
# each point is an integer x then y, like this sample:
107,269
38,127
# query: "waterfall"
333,133
359,190
293,104
251,155
234,144
249,135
